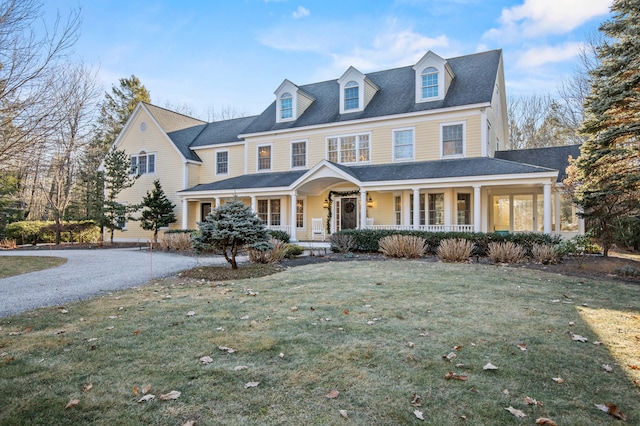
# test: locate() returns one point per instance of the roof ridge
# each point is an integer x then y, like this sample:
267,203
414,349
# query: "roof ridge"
173,112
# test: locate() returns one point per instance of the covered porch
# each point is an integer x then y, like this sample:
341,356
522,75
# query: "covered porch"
310,205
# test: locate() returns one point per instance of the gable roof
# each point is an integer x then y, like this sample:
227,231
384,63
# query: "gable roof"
423,170
556,157
474,84
219,132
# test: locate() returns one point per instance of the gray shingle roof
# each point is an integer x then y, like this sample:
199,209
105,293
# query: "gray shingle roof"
474,83
222,131
556,157
439,169
182,140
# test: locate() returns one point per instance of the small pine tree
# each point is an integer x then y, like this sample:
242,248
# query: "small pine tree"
117,178
157,210
229,228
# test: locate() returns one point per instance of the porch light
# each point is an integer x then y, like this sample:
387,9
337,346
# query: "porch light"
325,203
369,201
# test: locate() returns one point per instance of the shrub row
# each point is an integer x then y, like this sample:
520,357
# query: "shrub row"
36,231
367,240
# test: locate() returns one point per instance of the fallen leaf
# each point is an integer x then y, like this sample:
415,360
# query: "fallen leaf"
531,401
251,385
546,421
72,403
87,387
189,423
135,390
450,356
240,368
191,313
571,323
411,344
246,317
418,414
516,412
343,413
206,360
59,332
171,395
597,343
425,334
27,330
578,338
612,409
226,349
294,309
489,366
281,355
558,379
146,389
64,311
634,367
332,394
451,375
346,312
136,332
457,347
146,398
607,368
506,391
522,346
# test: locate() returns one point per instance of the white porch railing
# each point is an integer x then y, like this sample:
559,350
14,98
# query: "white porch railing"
425,228
285,228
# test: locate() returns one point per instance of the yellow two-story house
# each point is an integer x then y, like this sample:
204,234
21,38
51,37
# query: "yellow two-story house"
419,147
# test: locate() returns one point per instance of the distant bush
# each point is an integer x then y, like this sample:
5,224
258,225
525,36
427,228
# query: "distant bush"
293,250
404,246
543,254
343,243
179,240
455,250
506,252
34,232
280,236
627,271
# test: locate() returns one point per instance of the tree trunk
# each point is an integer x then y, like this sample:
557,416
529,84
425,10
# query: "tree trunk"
234,252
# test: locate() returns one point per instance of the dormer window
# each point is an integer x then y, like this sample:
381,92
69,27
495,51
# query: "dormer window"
433,77
351,95
286,106
429,83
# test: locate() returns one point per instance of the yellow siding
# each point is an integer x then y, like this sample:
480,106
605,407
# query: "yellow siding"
168,165
303,103
382,210
208,157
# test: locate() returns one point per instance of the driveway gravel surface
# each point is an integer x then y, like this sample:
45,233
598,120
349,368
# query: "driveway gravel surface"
88,273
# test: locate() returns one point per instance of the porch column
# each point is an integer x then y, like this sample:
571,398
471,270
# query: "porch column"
293,218
217,199
556,213
185,213
254,204
363,208
477,209
416,208
547,208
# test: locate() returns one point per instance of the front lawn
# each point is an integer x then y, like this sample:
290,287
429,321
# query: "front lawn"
16,265
375,339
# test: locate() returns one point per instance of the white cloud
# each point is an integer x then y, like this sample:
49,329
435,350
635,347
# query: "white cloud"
542,55
301,12
540,17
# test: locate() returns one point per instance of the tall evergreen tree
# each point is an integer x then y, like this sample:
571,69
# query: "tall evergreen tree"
117,178
606,174
157,210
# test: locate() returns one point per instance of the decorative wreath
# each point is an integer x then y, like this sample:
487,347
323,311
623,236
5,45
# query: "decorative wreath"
330,199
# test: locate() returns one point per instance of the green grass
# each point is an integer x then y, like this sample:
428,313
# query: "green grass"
340,326
16,265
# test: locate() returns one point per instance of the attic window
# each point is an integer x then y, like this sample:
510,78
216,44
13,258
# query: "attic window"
286,106
351,95
429,83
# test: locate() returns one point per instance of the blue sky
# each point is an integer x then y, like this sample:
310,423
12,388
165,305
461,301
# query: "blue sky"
234,54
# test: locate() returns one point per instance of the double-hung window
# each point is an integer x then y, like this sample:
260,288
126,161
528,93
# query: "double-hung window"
403,144
452,139
350,149
142,163
351,95
299,213
222,162
429,83
264,157
269,212
298,154
286,106
436,209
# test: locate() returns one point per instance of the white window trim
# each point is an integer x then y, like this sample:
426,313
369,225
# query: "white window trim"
306,154
422,74
216,162
393,144
293,108
326,147
464,139
292,89
282,214
356,76
258,169
146,153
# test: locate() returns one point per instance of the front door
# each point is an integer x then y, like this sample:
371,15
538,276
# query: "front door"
205,209
349,213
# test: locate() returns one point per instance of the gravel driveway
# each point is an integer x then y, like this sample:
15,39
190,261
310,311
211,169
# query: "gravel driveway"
88,273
